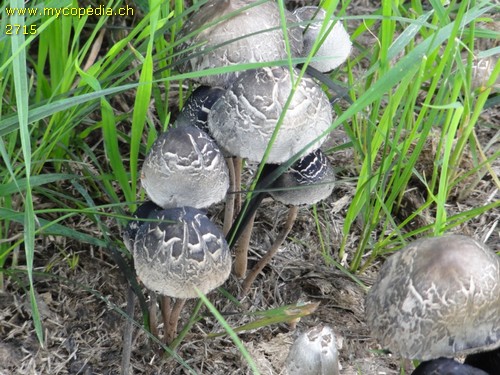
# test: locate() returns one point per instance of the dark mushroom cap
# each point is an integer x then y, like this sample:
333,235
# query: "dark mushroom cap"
144,211
182,251
197,107
446,366
335,48
185,167
438,297
308,181
243,119
314,352
252,35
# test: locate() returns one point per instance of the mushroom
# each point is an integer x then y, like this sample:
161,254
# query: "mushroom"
314,352
243,120
185,168
446,366
308,181
488,361
336,46
230,32
438,297
181,253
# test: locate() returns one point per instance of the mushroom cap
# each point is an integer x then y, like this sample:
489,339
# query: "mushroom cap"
308,181
144,211
314,352
336,46
438,297
488,361
243,120
197,107
252,35
185,167
446,366
181,251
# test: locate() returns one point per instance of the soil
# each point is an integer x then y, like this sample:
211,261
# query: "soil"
82,303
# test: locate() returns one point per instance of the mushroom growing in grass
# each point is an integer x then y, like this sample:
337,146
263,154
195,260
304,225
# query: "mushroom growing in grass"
438,297
179,254
244,119
230,32
185,168
336,45
310,180
314,352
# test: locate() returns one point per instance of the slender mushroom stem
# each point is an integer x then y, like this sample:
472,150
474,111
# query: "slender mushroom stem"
247,283
166,313
128,332
153,322
241,251
171,327
237,184
230,199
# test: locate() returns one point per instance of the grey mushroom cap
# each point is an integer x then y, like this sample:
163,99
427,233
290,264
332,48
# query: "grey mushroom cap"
438,297
181,252
250,35
243,120
185,167
314,352
144,211
308,181
336,46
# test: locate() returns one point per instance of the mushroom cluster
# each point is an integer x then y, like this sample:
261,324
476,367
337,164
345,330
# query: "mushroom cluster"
439,297
271,112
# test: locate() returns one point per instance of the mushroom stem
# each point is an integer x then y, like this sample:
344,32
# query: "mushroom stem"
247,283
171,328
241,251
237,183
230,199
153,322
166,313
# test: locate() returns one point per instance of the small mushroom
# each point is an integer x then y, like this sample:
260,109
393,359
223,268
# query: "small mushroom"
243,120
314,352
446,366
336,46
179,254
308,181
438,297
185,168
230,32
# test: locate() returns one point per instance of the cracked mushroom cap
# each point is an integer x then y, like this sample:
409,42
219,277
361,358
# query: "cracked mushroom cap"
181,251
243,120
185,168
438,297
336,46
308,181
250,35
314,352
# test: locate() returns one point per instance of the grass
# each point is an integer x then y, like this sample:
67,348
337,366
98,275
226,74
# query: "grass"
84,98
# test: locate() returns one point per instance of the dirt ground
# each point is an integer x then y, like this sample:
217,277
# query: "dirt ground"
84,329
